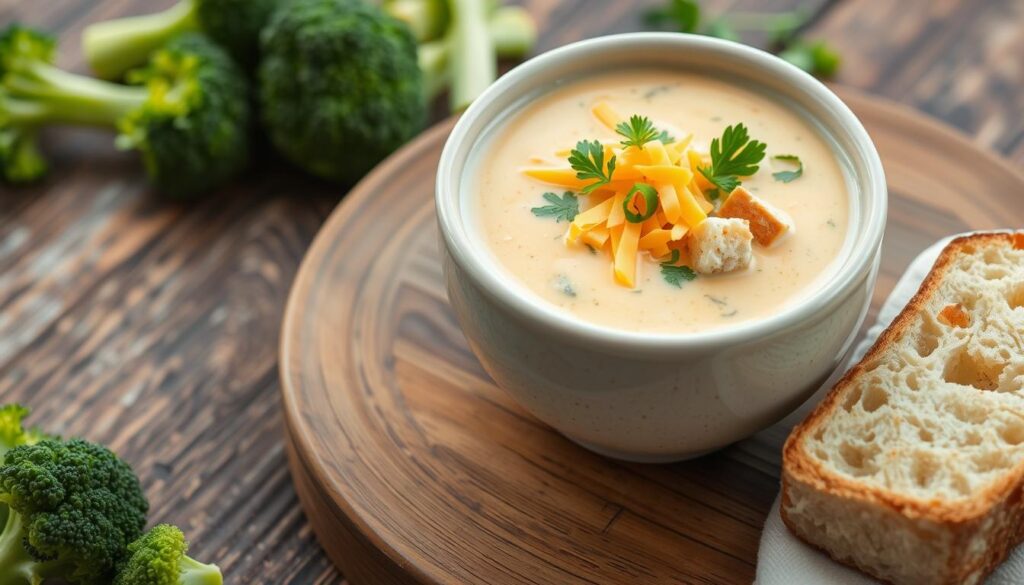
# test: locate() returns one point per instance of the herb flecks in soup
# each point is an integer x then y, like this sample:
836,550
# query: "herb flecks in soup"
680,210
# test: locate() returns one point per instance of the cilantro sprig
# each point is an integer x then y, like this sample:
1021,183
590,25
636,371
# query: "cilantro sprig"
561,208
675,274
789,176
587,159
734,155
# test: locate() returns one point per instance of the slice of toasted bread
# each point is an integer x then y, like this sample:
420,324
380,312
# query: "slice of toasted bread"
912,468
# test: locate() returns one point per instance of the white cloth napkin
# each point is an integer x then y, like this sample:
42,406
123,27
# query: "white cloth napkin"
785,560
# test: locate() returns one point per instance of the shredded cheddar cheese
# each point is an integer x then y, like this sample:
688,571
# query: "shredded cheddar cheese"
669,167
607,115
625,255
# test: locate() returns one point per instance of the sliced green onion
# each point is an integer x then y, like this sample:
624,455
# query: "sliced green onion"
650,195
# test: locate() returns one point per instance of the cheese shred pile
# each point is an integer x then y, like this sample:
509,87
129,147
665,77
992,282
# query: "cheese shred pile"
680,204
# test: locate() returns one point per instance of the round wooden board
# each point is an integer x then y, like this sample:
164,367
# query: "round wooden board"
413,467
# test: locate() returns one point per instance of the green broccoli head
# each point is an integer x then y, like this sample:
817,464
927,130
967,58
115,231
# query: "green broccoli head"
192,131
74,507
20,44
340,86
158,558
189,116
236,25
20,158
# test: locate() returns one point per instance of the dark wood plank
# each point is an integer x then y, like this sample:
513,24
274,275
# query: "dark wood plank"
161,343
959,61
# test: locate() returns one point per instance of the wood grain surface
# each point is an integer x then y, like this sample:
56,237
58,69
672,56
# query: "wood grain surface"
153,326
415,468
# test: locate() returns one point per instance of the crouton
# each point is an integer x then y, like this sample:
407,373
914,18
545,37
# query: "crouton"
720,244
766,222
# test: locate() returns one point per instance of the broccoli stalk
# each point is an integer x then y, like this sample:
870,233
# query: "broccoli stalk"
17,566
427,19
448,56
114,47
512,31
73,509
189,119
158,558
20,159
472,54
433,60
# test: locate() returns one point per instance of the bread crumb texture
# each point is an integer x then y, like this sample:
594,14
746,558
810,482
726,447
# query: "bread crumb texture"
720,244
939,414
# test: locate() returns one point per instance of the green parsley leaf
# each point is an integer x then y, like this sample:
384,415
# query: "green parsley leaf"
637,132
562,208
683,15
587,159
788,176
676,275
640,130
733,156
816,58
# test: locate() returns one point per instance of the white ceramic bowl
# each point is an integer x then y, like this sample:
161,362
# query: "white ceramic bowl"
658,397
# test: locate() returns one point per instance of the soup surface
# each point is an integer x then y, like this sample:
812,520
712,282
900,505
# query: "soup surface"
533,249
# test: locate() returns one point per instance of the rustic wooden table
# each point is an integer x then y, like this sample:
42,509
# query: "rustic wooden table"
153,326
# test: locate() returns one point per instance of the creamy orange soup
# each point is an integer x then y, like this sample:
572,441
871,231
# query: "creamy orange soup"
533,250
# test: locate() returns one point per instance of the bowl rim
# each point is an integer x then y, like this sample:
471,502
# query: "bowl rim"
855,266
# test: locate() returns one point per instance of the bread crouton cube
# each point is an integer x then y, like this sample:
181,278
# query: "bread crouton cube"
766,222
720,244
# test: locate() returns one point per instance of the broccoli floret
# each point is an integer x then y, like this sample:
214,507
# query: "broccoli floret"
115,46
340,86
74,507
20,159
158,558
188,119
12,430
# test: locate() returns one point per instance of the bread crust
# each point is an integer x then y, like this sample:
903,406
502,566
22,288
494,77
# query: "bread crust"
962,520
